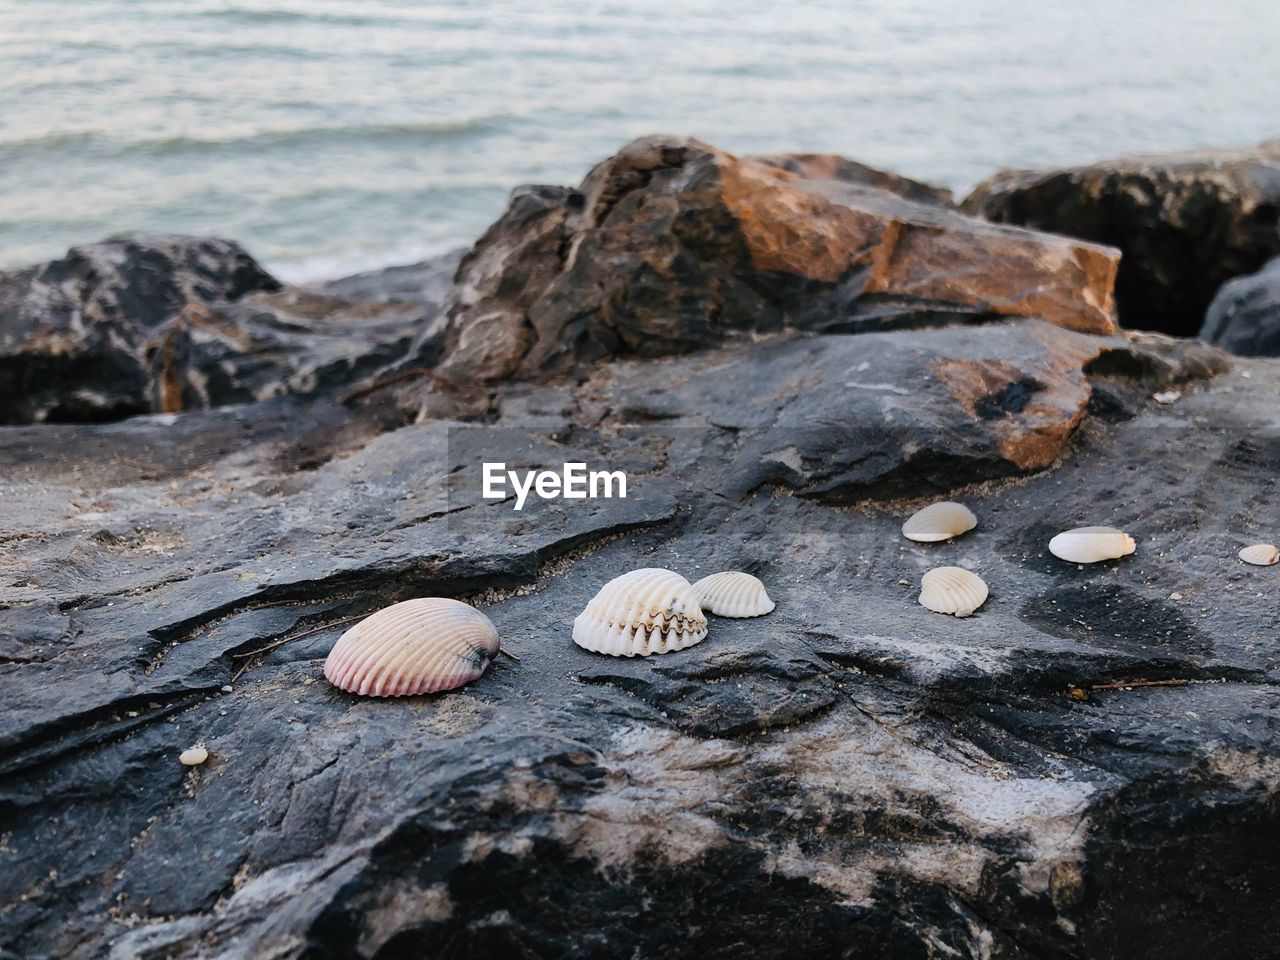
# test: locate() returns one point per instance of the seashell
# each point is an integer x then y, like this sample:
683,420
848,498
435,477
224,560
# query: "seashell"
733,594
952,590
418,646
640,613
193,756
1091,544
939,521
1260,554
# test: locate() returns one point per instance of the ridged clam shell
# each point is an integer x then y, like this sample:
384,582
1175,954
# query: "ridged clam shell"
418,646
939,521
1260,554
1091,544
640,613
952,590
733,594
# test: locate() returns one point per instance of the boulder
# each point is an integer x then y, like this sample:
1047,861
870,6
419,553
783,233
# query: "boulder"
1186,222
673,245
1088,761
168,323
1245,315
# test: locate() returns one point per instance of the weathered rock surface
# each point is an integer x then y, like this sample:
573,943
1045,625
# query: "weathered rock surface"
851,775
168,323
672,245
1186,222
843,417
828,166
1245,315
426,283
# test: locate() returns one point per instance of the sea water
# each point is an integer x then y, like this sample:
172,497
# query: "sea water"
332,136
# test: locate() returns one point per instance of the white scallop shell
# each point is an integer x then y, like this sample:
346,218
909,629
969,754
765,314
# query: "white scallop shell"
418,646
640,613
1091,544
1260,554
733,594
952,590
939,521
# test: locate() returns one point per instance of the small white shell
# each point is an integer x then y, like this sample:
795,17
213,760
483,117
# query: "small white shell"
1260,554
952,590
418,646
639,613
733,594
1091,544
193,756
939,521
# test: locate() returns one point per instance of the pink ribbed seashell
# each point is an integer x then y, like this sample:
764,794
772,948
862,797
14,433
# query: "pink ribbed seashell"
418,646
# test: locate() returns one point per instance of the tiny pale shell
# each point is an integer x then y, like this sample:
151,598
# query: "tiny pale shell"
193,756
1260,554
733,594
952,590
417,646
1092,544
939,521
641,613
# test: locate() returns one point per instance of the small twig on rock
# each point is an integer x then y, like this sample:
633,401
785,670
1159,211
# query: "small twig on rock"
507,653
1125,685
297,636
239,670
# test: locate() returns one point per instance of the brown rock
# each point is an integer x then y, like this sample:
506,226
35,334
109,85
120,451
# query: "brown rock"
1185,222
830,166
672,245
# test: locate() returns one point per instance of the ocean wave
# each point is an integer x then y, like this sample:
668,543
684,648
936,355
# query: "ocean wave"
47,142
109,145
251,17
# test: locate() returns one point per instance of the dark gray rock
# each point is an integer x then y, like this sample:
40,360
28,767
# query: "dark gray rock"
73,332
168,323
1185,222
844,417
1245,315
850,773
426,283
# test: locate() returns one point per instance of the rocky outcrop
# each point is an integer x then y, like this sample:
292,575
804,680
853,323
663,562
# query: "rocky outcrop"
1085,767
1245,315
163,324
1186,223
1043,779
673,245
